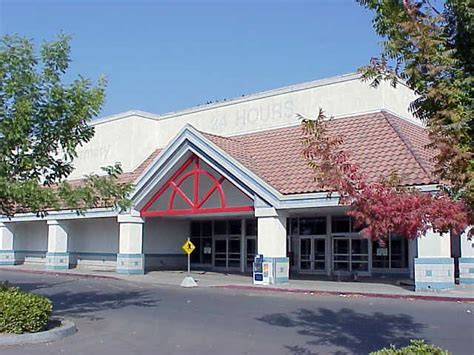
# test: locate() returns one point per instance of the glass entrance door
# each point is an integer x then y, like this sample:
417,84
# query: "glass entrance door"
201,237
305,254
341,254
350,254
312,254
222,243
227,252
220,252
319,254
233,256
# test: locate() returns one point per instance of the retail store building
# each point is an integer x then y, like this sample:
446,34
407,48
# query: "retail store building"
231,177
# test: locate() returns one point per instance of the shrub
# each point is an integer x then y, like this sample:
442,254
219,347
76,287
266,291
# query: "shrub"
22,312
416,347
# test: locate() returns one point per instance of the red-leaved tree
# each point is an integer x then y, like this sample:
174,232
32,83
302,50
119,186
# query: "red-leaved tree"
379,208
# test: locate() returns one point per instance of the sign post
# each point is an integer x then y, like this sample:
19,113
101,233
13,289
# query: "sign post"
188,248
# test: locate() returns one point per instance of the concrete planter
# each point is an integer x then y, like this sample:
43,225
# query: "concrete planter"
58,328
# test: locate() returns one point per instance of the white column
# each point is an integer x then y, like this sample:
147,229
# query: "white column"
466,261
434,267
271,233
7,253
130,259
57,257
271,242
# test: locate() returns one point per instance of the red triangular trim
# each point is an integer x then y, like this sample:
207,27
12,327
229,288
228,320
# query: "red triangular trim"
195,204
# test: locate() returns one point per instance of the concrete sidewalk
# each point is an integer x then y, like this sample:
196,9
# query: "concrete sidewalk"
376,287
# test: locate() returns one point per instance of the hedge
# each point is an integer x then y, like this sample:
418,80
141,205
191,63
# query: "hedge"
22,312
416,347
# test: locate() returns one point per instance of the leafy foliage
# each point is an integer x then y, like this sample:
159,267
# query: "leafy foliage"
383,207
416,347
42,122
432,51
22,312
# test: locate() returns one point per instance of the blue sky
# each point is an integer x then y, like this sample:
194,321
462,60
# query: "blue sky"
161,56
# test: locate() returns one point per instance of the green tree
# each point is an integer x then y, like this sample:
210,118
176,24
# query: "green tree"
431,50
42,122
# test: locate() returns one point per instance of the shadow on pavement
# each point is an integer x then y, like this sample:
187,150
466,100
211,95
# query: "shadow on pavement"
359,333
85,303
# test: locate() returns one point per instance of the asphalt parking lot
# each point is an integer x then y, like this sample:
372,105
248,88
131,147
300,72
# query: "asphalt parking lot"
121,317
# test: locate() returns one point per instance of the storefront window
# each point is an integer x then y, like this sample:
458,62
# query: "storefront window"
220,227
235,227
206,228
313,226
341,225
292,226
201,237
392,255
195,229
251,227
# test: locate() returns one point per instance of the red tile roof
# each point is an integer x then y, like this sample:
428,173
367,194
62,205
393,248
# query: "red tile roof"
380,143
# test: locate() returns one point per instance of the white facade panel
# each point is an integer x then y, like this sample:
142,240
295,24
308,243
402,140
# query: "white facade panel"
131,137
30,236
95,235
165,235
128,140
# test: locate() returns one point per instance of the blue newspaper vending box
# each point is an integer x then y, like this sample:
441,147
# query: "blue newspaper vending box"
270,271
258,270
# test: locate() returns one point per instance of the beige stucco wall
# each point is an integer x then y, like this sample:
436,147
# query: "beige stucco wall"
128,141
133,137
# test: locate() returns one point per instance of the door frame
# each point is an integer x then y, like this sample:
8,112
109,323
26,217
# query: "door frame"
312,270
351,237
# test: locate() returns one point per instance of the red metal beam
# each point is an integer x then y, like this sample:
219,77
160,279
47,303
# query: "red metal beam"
195,205
196,211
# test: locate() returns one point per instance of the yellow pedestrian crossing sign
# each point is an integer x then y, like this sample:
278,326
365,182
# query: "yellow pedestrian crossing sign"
188,247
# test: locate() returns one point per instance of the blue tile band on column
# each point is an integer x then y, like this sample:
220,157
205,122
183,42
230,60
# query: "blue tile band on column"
434,274
7,257
57,261
131,264
466,270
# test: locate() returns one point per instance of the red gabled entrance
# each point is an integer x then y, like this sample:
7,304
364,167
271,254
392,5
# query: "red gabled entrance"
204,192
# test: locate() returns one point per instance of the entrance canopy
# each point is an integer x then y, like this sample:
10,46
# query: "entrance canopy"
196,188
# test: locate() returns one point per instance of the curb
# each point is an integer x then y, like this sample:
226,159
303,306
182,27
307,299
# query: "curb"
351,294
64,273
66,328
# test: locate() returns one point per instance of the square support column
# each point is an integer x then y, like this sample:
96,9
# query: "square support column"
466,261
271,233
130,259
7,253
57,257
434,267
271,242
